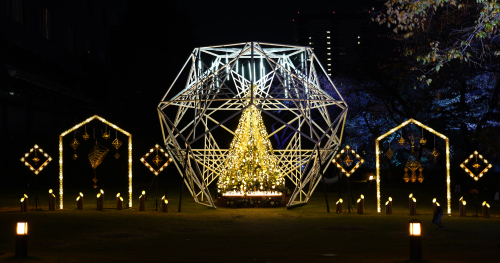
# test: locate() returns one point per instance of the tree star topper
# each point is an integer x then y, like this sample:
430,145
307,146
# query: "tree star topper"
36,159
476,165
157,159
337,160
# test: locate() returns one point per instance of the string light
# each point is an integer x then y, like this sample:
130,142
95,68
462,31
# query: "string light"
377,158
338,162
40,168
476,155
167,162
251,168
61,156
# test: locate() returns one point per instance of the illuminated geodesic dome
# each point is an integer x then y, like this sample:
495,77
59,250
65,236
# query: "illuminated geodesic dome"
304,123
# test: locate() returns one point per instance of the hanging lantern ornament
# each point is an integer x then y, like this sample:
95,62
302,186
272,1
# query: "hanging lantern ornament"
105,135
421,175
401,140
435,153
406,177
348,161
389,152
423,140
86,135
96,156
116,143
412,164
74,144
157,159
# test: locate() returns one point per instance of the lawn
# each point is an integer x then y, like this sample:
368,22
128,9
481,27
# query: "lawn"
201,234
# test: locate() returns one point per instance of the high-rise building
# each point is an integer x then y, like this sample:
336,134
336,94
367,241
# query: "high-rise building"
338,40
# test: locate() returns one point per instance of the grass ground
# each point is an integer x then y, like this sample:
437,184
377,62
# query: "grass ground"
200,234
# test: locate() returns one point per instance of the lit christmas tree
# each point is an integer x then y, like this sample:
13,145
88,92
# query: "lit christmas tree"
251,168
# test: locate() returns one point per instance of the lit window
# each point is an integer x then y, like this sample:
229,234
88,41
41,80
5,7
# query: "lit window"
329,59
310,43
328,32
328,43
329,64
328,48
358,36
328,37
312,48
329,69
359,43
328,54
310,37
329,74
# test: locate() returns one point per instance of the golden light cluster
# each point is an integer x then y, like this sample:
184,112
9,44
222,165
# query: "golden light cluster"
251,167
476,165
157,160
36,159
347,160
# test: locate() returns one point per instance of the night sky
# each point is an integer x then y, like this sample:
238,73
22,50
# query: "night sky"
224,21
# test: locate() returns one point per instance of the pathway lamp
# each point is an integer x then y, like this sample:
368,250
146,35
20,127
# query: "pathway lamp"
22,239
415,241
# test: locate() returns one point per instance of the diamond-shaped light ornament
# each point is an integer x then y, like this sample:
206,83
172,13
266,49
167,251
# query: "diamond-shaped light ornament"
157,160
37,169
74,144
435,153
389,153
337,160
476,165
348,161
116,143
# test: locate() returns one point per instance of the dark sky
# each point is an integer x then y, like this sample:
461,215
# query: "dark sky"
225,21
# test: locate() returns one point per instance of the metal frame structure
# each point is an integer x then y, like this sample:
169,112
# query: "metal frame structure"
377,155
198,122
61,156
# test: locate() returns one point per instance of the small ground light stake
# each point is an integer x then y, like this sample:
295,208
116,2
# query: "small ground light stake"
339,206
360,206
415,241
142,201
99,202
164,205
460,204
22,239
486,210
52,201
24,204
434,206
413,209
388,206
463,209
79,201
410,202
119,202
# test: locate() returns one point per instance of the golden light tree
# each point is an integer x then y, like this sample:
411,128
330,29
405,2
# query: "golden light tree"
251,167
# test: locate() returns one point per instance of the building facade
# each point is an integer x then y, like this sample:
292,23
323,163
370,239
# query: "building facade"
337,39
53,69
